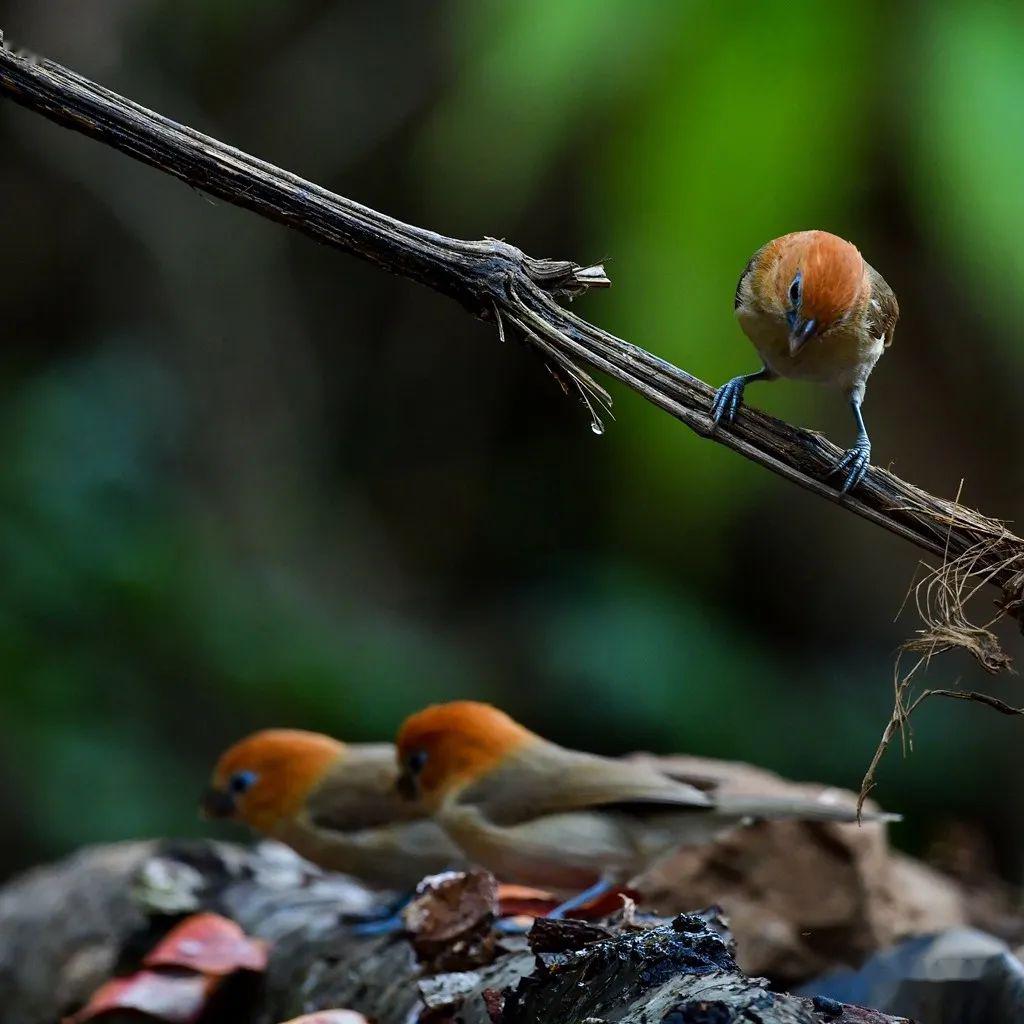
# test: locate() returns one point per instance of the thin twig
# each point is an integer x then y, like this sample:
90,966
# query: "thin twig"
900,720
941,598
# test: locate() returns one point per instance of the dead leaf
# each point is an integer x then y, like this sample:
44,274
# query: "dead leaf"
449,920
211,945
173,998
524,901
330,1017
451,904
494,1001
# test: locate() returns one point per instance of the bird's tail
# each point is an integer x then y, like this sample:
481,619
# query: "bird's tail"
767,808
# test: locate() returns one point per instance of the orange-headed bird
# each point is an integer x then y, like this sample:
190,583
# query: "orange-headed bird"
335,804
538,814
815,310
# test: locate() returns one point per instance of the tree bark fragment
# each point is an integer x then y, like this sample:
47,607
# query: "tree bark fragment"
67,928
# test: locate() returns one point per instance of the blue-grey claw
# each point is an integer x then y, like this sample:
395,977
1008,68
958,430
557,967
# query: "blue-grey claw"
853,466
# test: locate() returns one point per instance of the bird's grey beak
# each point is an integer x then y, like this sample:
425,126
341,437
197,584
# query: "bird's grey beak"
217,804
406,785
800,332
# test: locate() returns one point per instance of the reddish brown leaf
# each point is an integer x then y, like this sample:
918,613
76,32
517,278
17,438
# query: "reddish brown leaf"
494,1002
211,945
330,1017
173,998
604,906
523,901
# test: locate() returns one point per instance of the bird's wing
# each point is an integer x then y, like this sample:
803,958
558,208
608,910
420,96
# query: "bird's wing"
737,298
359,792
547,779
784,808
883,310
706,783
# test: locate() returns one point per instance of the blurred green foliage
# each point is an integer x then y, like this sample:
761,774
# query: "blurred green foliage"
248,482
968,150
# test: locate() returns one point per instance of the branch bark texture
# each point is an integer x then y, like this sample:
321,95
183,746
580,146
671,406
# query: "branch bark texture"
497,282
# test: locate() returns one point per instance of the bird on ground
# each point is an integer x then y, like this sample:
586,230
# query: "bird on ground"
335,804
815,310
538,814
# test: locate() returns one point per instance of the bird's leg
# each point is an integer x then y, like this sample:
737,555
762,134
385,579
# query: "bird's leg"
729,397
588,895
511,926
854,464
384,921
379,926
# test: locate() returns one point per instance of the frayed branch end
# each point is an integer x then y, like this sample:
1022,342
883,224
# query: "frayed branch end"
563,278
1012,603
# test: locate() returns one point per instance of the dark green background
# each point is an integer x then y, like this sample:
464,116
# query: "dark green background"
248,481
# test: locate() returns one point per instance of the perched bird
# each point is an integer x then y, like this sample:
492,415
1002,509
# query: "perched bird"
538,814
335,804
815,310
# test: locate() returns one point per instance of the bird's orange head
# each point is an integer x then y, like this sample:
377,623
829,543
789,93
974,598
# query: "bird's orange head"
447,746
812,279
264,779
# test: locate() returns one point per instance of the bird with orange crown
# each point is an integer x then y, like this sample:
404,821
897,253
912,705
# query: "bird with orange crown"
335,804
538,814
815,310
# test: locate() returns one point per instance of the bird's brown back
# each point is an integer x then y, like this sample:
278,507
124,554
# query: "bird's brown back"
544,778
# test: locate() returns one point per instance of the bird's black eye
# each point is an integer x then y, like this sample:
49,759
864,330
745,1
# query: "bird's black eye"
416,761
794,291
241,782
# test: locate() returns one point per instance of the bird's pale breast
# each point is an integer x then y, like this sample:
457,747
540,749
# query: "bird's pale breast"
564,852
843,357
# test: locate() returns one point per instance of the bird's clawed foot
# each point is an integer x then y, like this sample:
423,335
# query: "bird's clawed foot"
384,920
853,465
728,399
378,926
513,925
